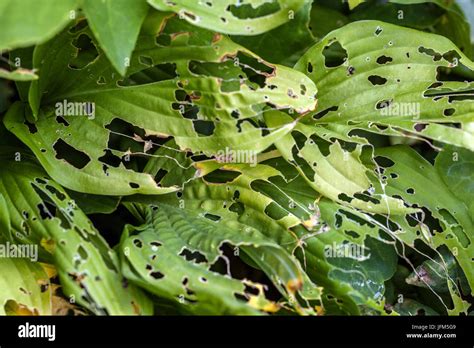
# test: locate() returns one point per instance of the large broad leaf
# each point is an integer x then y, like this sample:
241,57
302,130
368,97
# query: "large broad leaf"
386,78
173,255
452,24
231,17
41,214
25,287
196,86
312,147
116,24
29,22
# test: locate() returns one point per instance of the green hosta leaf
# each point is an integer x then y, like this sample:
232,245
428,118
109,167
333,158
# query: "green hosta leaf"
25,288
288,41
195,86
376,75
172,254
231,17
29,22
337,173
339,250
452,24
116,24
42,214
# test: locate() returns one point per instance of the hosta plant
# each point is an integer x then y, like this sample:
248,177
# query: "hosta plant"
279,157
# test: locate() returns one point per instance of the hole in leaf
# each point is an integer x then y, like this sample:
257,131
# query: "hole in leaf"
345,198
384,59
194,256
325,112
71,155
110,159
449,112
248,10
384,161
156,275
383,104
212,217
44,212
204,128
430,52
334,55
61,120
237,207
377,80
31,127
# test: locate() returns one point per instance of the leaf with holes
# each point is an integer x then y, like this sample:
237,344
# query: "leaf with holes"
25,286
175,255
41,214
333,171
406,174
276,201
116,24
208,95
381,77
227,16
